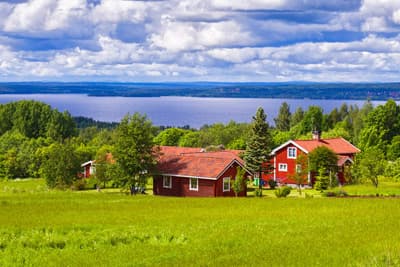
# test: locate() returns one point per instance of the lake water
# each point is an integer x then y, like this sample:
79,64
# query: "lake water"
175,111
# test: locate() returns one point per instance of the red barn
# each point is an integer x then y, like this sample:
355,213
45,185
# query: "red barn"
285,157
194,172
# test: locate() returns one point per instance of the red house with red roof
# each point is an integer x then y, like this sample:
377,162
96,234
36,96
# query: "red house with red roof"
285,158
194,172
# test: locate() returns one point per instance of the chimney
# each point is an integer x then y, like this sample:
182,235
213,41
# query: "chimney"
316,135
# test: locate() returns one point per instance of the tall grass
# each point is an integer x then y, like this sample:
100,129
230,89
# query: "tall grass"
41,228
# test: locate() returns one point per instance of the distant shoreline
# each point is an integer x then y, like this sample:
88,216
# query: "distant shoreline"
300,90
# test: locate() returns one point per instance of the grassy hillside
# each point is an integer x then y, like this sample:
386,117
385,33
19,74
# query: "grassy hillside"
51,228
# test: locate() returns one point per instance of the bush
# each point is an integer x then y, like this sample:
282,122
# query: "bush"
283,191
340,193
272,184
322,181
258,192
79,184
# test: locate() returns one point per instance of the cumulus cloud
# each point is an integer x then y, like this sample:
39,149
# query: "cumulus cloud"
184,40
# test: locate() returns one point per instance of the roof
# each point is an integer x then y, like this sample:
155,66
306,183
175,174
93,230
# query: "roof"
338,145
343,159
109,158
90,162
191,162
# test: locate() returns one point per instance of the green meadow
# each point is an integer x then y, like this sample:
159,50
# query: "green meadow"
39,227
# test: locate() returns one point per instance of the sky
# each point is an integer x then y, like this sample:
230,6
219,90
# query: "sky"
200,40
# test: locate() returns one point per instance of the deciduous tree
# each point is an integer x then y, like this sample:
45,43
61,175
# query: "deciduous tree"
134,150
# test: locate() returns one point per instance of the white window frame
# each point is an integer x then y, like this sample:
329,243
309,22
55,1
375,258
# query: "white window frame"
292,152
228,183
298,168
282,167
167,178
191,185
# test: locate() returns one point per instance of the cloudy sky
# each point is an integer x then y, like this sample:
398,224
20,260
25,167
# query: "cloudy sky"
200,40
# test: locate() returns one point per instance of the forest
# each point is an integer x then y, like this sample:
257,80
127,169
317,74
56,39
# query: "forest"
39,141
293,90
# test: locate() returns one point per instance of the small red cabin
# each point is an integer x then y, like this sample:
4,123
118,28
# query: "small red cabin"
89,167
285,157
194,172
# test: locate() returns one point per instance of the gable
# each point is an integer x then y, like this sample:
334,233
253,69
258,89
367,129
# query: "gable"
337,145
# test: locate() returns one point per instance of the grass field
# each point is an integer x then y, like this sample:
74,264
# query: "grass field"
53,228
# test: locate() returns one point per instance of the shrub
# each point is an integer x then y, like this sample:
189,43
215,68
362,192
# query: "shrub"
283,191
79,184
322,181
339,193
258,192
272,183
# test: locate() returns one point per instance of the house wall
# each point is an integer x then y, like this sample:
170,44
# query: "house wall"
180,187
282,157
231,172
87,170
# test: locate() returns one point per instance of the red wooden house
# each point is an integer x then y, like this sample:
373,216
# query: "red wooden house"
89,167
194,172
285,157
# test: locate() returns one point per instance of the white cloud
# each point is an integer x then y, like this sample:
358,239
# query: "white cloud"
375,24
249,4
30,16
200,40
113,11
396,16
181,36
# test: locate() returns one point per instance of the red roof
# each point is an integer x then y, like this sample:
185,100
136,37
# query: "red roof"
337,145
343,159
194,162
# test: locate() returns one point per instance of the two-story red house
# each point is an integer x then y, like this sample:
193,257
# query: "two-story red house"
285,163
191,172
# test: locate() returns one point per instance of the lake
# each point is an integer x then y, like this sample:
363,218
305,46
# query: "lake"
175,111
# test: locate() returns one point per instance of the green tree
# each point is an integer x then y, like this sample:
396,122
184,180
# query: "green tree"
381,125
61,126
258,150
60,165
393,150
297,117
238,184
371,164
300,176
323,158
190,139
169,137
282,121
313,120
322,180
103,164
134,150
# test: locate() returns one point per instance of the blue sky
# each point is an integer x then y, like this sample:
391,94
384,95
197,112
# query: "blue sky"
200,40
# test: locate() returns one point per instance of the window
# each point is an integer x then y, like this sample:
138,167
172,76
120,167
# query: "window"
167,181
194,184
298,168
292,153
226,184
282,167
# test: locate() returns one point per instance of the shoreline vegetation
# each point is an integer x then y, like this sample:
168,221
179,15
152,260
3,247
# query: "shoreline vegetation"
292,90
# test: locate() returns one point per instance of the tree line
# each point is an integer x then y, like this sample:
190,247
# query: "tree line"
39,141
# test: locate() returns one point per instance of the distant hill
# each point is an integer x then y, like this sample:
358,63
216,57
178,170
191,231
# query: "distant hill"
294,90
